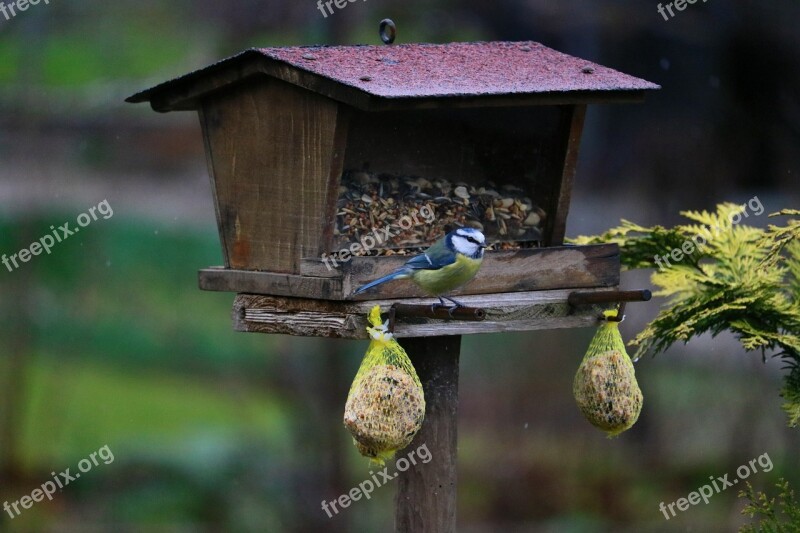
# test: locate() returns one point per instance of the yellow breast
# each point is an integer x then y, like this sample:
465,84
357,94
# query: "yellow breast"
449,278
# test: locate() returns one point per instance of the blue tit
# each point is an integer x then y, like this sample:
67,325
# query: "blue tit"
448,264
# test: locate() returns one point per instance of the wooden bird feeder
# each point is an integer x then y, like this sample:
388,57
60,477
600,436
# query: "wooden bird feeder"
310,149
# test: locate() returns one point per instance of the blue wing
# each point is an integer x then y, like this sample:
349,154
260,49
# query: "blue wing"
397,274
434,258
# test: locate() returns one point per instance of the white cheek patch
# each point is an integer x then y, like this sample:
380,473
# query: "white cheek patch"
461,245
464,242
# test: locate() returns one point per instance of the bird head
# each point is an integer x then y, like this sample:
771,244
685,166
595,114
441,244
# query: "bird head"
467,241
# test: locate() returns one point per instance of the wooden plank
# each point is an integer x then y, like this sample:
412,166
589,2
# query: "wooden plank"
211,174
226,280
568,161
521,311
272,148
316,267
426,492
511,271
361,268
340,142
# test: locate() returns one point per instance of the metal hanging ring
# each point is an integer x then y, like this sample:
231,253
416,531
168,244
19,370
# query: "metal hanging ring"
388,31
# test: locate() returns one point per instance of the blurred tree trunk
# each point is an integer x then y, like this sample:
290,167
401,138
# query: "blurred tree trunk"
16,313
318,385
16,308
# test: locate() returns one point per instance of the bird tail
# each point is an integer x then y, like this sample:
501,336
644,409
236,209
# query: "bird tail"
397,274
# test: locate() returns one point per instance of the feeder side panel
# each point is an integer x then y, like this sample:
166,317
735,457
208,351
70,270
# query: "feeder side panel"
576,120
340,149
565,154
271,147
210,165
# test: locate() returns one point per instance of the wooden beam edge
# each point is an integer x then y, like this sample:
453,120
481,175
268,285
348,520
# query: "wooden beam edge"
597,266
524,311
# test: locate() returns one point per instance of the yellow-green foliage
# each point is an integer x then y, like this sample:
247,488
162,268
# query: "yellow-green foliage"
744,279
783,517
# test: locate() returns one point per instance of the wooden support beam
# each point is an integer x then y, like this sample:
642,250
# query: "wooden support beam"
572,126
518,311
426,492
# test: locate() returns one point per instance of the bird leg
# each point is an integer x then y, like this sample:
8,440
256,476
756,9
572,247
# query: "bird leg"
456,303
451,308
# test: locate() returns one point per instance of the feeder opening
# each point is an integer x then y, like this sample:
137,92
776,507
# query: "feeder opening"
412,176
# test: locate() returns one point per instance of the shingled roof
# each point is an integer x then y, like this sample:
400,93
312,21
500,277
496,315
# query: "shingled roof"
375,77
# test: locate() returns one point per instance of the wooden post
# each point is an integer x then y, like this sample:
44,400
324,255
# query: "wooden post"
426,493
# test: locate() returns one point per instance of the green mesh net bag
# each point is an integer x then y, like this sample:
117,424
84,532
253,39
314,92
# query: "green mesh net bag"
386,406
605,386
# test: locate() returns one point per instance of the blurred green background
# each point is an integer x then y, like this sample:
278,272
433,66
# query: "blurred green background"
108,341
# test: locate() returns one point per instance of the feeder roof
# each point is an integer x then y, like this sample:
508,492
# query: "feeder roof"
413,75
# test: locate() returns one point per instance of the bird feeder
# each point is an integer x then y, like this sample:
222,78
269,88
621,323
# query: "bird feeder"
313,152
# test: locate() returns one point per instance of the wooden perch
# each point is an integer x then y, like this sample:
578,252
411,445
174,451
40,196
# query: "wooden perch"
519,311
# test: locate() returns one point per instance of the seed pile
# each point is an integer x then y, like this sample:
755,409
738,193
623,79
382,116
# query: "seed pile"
605,386
368,201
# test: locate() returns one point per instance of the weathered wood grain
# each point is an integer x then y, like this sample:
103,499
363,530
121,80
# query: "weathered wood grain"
272,149
512,271
276,153
521,311
254,282
328,220
426,492
575,267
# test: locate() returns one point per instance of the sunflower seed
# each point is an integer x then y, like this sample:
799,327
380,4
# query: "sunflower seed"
533,220
461,192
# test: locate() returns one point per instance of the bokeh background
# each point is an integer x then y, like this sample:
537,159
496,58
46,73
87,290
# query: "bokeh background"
108,341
